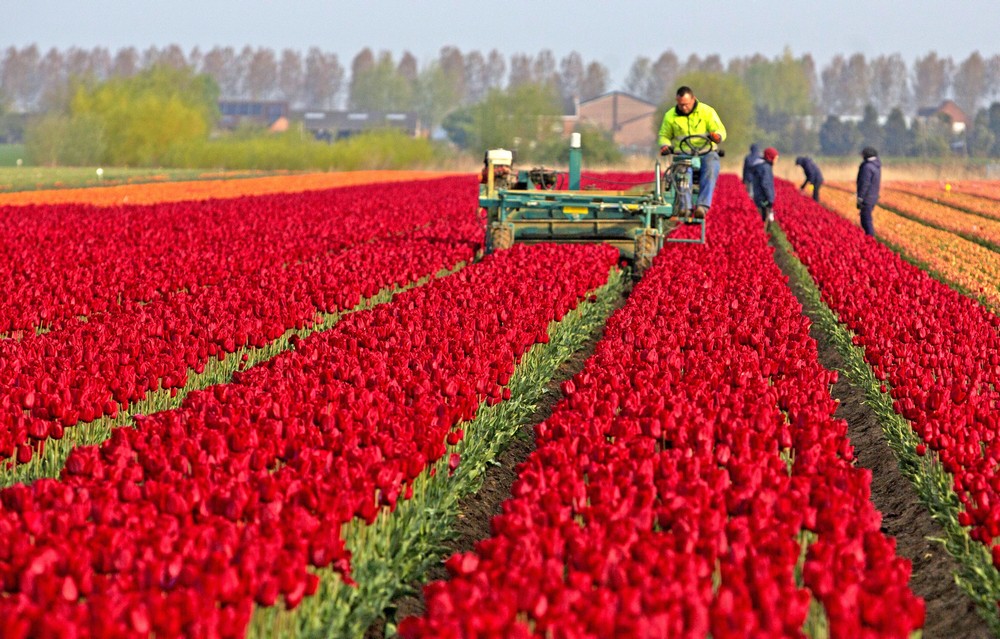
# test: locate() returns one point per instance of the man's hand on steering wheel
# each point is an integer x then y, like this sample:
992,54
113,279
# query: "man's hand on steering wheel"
687,146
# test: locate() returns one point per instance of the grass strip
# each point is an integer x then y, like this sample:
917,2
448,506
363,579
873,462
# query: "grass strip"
977,577
399,548
50,459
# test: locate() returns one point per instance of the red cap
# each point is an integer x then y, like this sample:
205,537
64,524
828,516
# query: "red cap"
770,154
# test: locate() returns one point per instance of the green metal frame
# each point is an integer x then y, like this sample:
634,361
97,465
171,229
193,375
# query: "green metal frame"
619,218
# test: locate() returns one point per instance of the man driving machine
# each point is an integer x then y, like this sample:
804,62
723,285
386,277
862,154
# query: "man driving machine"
693,118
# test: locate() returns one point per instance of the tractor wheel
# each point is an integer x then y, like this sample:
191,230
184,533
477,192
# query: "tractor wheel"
501,237
645,251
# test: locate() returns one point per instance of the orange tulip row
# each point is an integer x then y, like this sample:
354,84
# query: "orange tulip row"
967,264
152,193
939,215
988,189
983,188
954,197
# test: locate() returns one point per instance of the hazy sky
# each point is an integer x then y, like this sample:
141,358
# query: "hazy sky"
611,33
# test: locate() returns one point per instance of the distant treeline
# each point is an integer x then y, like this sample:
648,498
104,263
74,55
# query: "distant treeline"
33,80
489,98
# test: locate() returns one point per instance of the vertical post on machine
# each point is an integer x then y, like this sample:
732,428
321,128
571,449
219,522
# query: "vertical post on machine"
575,160
490,180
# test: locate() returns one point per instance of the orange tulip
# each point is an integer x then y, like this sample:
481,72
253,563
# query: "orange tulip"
959,261
939,215
152,193
956,196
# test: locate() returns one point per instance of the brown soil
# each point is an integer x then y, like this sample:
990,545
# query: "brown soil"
477,510
950,613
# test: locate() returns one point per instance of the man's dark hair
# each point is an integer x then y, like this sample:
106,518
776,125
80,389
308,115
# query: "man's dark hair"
684,91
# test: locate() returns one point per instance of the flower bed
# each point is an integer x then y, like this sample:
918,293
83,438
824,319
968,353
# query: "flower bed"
692,481
70,261
969,266
179,526
936,352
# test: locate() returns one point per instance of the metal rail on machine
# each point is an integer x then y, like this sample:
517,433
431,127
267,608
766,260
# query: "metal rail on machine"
525,207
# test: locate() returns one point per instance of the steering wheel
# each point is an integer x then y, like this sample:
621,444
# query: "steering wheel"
686,145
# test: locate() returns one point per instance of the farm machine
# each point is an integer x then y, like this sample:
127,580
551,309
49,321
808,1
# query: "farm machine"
524,206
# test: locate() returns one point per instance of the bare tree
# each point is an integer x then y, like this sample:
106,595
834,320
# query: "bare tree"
21,82
262,75
543,69
857,83
241,68
76,63
666,70
496,70
149,57
520,70
323,80
993,78
477,77
290,76
833,95
362,63
173,56
712,64
931,79
640,77
453,65
100,63
693,63
571,71
888,83
408,68
54,90
195,59
126,63
595,81
220,64
809,69
970,84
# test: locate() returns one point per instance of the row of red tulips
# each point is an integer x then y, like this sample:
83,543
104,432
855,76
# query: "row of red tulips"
59,262
674,486
94,369
179,526
938,350
90,369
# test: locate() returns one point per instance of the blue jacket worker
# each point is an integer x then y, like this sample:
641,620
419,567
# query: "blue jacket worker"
813,175
869,181
762,180
752,159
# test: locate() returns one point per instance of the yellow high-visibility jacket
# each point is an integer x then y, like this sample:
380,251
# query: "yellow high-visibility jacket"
702,119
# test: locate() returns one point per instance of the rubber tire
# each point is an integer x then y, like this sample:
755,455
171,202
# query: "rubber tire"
501,237
645,251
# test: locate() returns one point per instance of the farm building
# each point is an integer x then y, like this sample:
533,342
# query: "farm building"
947,109
630,119
336,125
259,112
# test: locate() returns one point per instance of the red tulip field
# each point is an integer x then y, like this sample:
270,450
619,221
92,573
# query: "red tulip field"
325,413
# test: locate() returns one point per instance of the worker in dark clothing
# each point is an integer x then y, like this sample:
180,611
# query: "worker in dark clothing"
752,159
813,174
869,181
762,180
